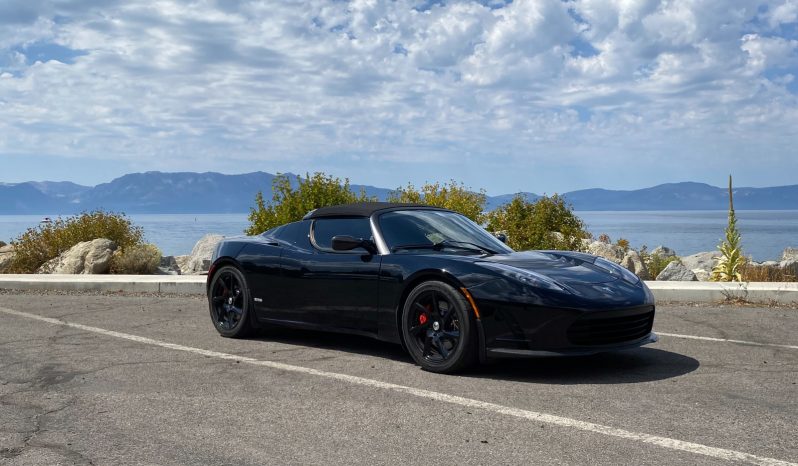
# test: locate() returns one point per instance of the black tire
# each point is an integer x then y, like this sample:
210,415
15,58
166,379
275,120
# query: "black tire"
230,303
438,328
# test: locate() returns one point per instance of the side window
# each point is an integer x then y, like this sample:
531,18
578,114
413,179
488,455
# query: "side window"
325,228
295,233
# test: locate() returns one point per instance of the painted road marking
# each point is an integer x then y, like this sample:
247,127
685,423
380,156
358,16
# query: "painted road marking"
726,340
664,442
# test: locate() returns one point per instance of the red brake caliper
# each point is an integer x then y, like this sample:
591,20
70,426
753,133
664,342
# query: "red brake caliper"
422,319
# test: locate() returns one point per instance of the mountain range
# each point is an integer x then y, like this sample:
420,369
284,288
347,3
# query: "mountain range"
187,192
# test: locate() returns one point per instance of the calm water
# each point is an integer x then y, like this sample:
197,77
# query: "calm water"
765,233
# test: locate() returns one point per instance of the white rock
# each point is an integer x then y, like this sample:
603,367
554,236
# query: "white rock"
88,257
701,264
790,266
6,257
608,251
633,262
663,252
182,263
788,254
199,260
676,272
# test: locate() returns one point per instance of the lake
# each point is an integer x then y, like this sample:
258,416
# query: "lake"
765,233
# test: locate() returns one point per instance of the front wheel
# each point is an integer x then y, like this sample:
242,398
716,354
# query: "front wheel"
229,301
438,328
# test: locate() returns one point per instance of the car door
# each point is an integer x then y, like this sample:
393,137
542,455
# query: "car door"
270,285
332,289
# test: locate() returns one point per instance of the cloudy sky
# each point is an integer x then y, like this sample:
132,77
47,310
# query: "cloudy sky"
534,95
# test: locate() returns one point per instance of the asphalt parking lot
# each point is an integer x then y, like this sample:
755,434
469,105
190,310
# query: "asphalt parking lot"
135,379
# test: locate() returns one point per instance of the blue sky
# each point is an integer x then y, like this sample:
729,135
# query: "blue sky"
537,95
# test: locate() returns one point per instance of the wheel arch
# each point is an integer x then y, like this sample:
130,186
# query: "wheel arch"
219,263
415,280
222,262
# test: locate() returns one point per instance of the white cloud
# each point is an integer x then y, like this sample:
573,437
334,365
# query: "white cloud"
300,85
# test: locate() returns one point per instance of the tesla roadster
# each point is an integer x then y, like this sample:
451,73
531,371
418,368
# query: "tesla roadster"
429,279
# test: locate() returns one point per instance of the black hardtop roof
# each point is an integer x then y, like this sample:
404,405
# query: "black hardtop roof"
362,209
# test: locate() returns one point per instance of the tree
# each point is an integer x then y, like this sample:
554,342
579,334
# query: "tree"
731,260
453,196
548,223
290,204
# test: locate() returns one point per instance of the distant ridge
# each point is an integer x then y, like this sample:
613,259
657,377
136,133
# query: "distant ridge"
210,192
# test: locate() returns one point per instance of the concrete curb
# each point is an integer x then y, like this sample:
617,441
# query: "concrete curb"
179,284
712,292
702,292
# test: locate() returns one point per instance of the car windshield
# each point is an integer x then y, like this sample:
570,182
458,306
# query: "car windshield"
413,230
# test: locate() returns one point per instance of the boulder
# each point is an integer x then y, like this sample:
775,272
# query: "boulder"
168,266
635,264
88,257
676,272
608,251
6,257
790,254
663,252
182,263
790,266
200,259
701,264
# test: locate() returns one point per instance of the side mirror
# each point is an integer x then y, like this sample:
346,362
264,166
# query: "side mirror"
501,237
347,243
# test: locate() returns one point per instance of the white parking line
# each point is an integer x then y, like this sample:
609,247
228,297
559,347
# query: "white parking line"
726,340
664,442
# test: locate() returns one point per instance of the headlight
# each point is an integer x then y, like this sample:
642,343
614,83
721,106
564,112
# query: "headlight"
614,269
525,276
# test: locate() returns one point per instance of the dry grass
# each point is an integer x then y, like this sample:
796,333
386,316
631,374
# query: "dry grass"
759,273
139,259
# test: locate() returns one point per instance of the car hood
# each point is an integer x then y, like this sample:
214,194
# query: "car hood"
562,267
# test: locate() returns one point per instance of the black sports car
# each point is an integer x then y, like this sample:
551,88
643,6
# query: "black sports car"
429,279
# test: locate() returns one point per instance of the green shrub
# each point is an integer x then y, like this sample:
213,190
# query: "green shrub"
654,262
532,225
139,259
289,204
47,241
453,196
2,243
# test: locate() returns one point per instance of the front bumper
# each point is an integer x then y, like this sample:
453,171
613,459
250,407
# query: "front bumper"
575,351
513,330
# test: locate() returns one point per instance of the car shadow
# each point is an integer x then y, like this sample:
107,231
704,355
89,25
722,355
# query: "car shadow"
620,367
631,366
355,344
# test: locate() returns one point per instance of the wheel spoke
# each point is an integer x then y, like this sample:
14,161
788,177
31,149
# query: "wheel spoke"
418,329
427,346
235,310
435,307
451,335
218,299
419,307
436,341
449,315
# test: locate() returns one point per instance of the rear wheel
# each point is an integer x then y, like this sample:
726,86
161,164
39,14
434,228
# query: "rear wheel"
438,328
229,301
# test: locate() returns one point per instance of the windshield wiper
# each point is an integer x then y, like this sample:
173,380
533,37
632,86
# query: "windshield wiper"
475,246
447,243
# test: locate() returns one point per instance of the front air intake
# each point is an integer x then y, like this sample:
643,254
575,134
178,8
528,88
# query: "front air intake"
608,328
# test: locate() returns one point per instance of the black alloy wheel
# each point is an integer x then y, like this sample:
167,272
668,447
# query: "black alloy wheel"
229,301
437,325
